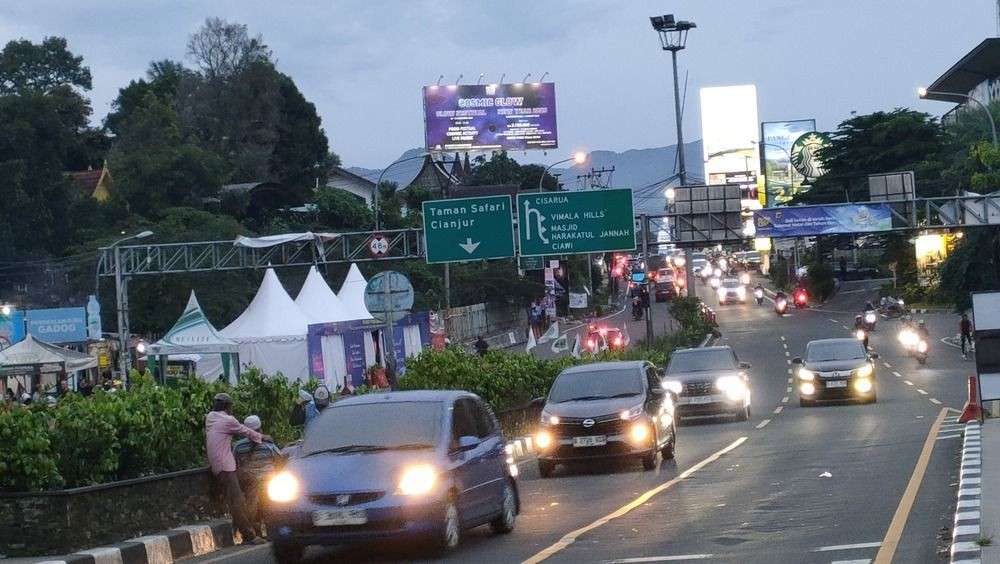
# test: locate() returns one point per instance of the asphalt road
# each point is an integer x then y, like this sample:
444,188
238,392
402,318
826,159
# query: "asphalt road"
824,484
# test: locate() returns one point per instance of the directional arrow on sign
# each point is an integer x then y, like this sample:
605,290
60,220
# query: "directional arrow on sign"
469,246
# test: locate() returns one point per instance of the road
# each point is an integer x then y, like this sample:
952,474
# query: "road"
838,483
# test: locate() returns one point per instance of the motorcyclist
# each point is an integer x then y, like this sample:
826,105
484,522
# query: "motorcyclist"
965,334
859,325
922,331
780,302
636,307
758,292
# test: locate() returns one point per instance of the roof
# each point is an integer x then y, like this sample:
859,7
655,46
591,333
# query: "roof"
272,313
979,64
603,366
838,340
192,334
318,302
352,294
341,171
89,182
699,349
244,187
31,351
415,395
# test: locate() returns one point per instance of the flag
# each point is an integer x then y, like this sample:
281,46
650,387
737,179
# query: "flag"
551,334
560,345
531,340
576,347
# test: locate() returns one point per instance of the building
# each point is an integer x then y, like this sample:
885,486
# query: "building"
359,186
975,75
96,184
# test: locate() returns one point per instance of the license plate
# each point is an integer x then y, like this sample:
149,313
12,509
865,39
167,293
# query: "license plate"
836,384
335,517
696,400
596,440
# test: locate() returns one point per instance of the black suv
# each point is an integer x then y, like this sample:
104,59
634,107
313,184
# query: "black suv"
836,369
606,410
709,381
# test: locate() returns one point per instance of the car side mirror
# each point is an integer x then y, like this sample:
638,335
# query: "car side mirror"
744,365
467,442
797,360
537,402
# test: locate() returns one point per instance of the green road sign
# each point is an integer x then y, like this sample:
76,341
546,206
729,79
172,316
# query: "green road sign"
463,229
552,223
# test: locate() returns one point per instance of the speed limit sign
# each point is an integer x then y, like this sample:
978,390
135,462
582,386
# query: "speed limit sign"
379,245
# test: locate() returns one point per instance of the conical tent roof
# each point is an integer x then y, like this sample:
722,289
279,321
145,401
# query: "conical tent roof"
318,302
193,334
352,294
272,313
32,351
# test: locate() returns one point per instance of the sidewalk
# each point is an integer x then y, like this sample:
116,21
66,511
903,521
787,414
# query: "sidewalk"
990,525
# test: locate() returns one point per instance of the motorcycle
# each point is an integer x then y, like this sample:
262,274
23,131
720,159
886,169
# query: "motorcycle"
915,345
893,308
870,319
636,308
801,299
780,306
758,293
861,335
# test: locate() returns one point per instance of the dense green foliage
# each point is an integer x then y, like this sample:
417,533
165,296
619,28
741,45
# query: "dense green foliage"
820,283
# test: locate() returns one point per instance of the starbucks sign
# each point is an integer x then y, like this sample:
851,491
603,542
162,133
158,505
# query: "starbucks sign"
804,154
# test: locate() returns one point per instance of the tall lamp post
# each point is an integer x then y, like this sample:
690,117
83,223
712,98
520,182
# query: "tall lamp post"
673,37
923,93
578,157
121,301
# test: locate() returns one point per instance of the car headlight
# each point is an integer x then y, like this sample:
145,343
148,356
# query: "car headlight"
629,414
863,385
549,419
807,375
922,346
733,386
543,439
674,386
418,480
865,371
860,334
870,317
639,433
741,292
807,388
283,487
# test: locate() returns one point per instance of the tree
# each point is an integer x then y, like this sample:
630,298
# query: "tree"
502,169
163,80
26,67
341,210
301,155
222,50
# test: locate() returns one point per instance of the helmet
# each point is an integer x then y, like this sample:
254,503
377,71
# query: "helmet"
322,396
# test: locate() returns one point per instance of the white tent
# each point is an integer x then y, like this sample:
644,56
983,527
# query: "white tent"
271,333
192,336
318,302
352,294
37,364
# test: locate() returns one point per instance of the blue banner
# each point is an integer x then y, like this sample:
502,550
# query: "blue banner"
805,221
60,325
11,328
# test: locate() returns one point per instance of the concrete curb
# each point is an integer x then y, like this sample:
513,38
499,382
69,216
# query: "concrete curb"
162,548
965,531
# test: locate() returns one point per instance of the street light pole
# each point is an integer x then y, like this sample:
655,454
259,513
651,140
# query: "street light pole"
923,92
579,158
121,302
681,168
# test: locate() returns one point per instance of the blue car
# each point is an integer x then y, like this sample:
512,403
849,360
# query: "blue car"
422,465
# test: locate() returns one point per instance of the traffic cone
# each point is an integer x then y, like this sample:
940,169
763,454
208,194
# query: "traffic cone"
973,409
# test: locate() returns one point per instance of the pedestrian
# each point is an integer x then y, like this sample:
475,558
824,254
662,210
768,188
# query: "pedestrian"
309,406
11,396
254,461
965,334
86,388
482,346
220,427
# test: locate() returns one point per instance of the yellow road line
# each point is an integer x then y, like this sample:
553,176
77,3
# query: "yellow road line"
571,537
895,532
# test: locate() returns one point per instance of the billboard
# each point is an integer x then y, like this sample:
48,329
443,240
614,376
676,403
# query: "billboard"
490,116
60,325
805,221
11,328
729,136
781,180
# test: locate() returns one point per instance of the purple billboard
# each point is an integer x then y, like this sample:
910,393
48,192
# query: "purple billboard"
490,116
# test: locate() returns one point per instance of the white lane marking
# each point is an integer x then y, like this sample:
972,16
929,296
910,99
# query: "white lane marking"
897,374
834,320
921,392
837,547
935,401
789,370
788,360
943,437
788,353
784,399
763,423
788,390
790,380
844,326
887,365
778,409
677,558
907,382
861,561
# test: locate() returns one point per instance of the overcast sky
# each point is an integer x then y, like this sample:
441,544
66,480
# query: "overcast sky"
362,62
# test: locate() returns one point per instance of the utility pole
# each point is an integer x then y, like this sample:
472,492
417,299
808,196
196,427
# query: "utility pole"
121,299
645,258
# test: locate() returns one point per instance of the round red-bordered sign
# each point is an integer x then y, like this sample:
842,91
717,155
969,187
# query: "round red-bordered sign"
379,245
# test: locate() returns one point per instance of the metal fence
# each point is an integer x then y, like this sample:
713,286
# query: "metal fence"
466,323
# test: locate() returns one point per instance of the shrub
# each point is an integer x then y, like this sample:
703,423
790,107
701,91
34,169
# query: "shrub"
27,460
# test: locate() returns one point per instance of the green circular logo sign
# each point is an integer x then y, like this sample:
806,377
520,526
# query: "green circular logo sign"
804,154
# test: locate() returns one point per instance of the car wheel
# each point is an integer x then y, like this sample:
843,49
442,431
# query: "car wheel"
287,553
450,534
650,460
803,402
545,468
668,450
504,523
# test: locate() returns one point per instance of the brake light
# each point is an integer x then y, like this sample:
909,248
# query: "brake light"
592,344
618,341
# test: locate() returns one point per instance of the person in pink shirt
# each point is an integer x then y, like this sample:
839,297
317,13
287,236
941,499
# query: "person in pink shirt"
220,427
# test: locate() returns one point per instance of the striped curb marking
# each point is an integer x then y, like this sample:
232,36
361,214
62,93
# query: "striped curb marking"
164,548
965,531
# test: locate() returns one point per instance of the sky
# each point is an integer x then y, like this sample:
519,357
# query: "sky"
363,62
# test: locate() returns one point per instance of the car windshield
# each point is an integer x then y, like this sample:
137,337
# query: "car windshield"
840,350
731,283
596,384
701,361
375,426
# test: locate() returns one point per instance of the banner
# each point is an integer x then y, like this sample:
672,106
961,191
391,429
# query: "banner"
490,116
11,328
729,139
60,325
781,180
577,300
822,220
